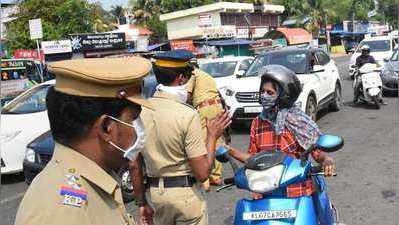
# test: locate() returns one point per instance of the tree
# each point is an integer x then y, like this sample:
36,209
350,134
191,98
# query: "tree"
174,5
118,12
158,28
59,18
389,9
103,19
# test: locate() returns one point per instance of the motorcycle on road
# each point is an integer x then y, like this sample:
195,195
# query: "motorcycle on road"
272,174
370,84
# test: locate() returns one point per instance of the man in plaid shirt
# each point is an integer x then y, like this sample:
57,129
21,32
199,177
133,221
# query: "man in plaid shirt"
283,127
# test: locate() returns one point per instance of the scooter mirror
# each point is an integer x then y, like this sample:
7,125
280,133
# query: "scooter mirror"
329,143
222,154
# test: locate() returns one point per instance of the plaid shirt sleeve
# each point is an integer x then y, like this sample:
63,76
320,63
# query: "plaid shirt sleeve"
252,149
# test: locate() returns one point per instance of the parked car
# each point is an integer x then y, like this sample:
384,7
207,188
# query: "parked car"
22,120
40,151
381,47
390,74
318,74
225,69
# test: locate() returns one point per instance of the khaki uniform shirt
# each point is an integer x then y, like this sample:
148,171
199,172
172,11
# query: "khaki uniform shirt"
173,136
71,190
202,86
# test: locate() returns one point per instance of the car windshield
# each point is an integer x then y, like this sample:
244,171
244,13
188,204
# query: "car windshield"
32,101
296,61
219,69
376,46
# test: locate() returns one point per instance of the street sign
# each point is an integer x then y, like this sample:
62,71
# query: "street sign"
35,29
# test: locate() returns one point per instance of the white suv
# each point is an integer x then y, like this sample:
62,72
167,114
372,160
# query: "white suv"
318,74
225,70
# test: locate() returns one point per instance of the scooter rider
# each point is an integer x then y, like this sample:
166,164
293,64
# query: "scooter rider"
282,125
364,58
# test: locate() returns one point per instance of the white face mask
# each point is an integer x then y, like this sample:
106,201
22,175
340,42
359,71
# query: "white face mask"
132,152
179,91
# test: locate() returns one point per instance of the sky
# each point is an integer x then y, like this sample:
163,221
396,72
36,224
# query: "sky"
107,4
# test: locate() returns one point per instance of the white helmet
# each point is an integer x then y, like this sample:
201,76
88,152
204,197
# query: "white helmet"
365,48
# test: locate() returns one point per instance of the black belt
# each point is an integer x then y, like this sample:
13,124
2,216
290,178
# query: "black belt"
170,182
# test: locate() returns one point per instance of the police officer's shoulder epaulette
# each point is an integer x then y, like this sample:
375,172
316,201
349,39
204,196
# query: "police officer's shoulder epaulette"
72,191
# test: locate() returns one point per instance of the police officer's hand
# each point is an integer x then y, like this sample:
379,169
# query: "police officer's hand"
217,125
146,214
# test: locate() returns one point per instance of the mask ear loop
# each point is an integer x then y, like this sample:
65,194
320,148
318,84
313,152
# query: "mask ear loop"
116,146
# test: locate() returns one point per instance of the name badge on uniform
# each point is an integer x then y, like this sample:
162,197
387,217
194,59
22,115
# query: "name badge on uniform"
73,197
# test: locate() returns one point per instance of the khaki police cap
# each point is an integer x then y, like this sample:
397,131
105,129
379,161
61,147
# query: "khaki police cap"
104,77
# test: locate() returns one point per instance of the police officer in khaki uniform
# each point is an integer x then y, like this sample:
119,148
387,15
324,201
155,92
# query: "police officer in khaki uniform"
94,113
205,98
176,157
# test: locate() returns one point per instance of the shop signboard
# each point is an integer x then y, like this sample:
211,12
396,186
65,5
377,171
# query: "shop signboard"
182,44
205,20
54,47
257,31
28,54
227,31
99,41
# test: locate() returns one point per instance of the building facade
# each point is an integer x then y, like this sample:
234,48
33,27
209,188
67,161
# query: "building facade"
222,20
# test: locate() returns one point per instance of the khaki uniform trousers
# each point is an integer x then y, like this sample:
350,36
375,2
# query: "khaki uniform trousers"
210,112
178,205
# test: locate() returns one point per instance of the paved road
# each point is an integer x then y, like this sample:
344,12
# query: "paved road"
365,192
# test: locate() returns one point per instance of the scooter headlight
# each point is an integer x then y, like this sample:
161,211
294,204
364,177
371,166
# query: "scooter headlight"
265,180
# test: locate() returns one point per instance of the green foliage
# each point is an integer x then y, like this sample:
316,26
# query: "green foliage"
328,11
158,29
389,9
59,18
174,5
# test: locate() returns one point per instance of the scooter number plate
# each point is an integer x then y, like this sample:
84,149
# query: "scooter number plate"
253,109
270,215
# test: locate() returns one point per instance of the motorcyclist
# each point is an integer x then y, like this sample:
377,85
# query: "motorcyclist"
364,58
281,125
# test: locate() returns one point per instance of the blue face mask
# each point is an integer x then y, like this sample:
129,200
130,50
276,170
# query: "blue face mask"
268,101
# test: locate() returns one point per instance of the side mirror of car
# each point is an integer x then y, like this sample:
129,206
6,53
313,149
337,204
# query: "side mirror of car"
240,73
329,143
318,68
386,59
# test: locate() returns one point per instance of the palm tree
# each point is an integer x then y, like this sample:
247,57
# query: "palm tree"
118,12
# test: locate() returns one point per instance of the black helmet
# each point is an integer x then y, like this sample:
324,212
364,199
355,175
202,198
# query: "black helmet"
290,86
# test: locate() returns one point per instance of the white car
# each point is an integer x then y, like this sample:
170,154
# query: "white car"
22,120
225,69
321,82
381,48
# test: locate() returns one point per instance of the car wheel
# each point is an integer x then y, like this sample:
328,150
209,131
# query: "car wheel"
337,103
126,185
311,107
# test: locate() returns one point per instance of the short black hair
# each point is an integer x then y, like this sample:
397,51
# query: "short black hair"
166,75
71,117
